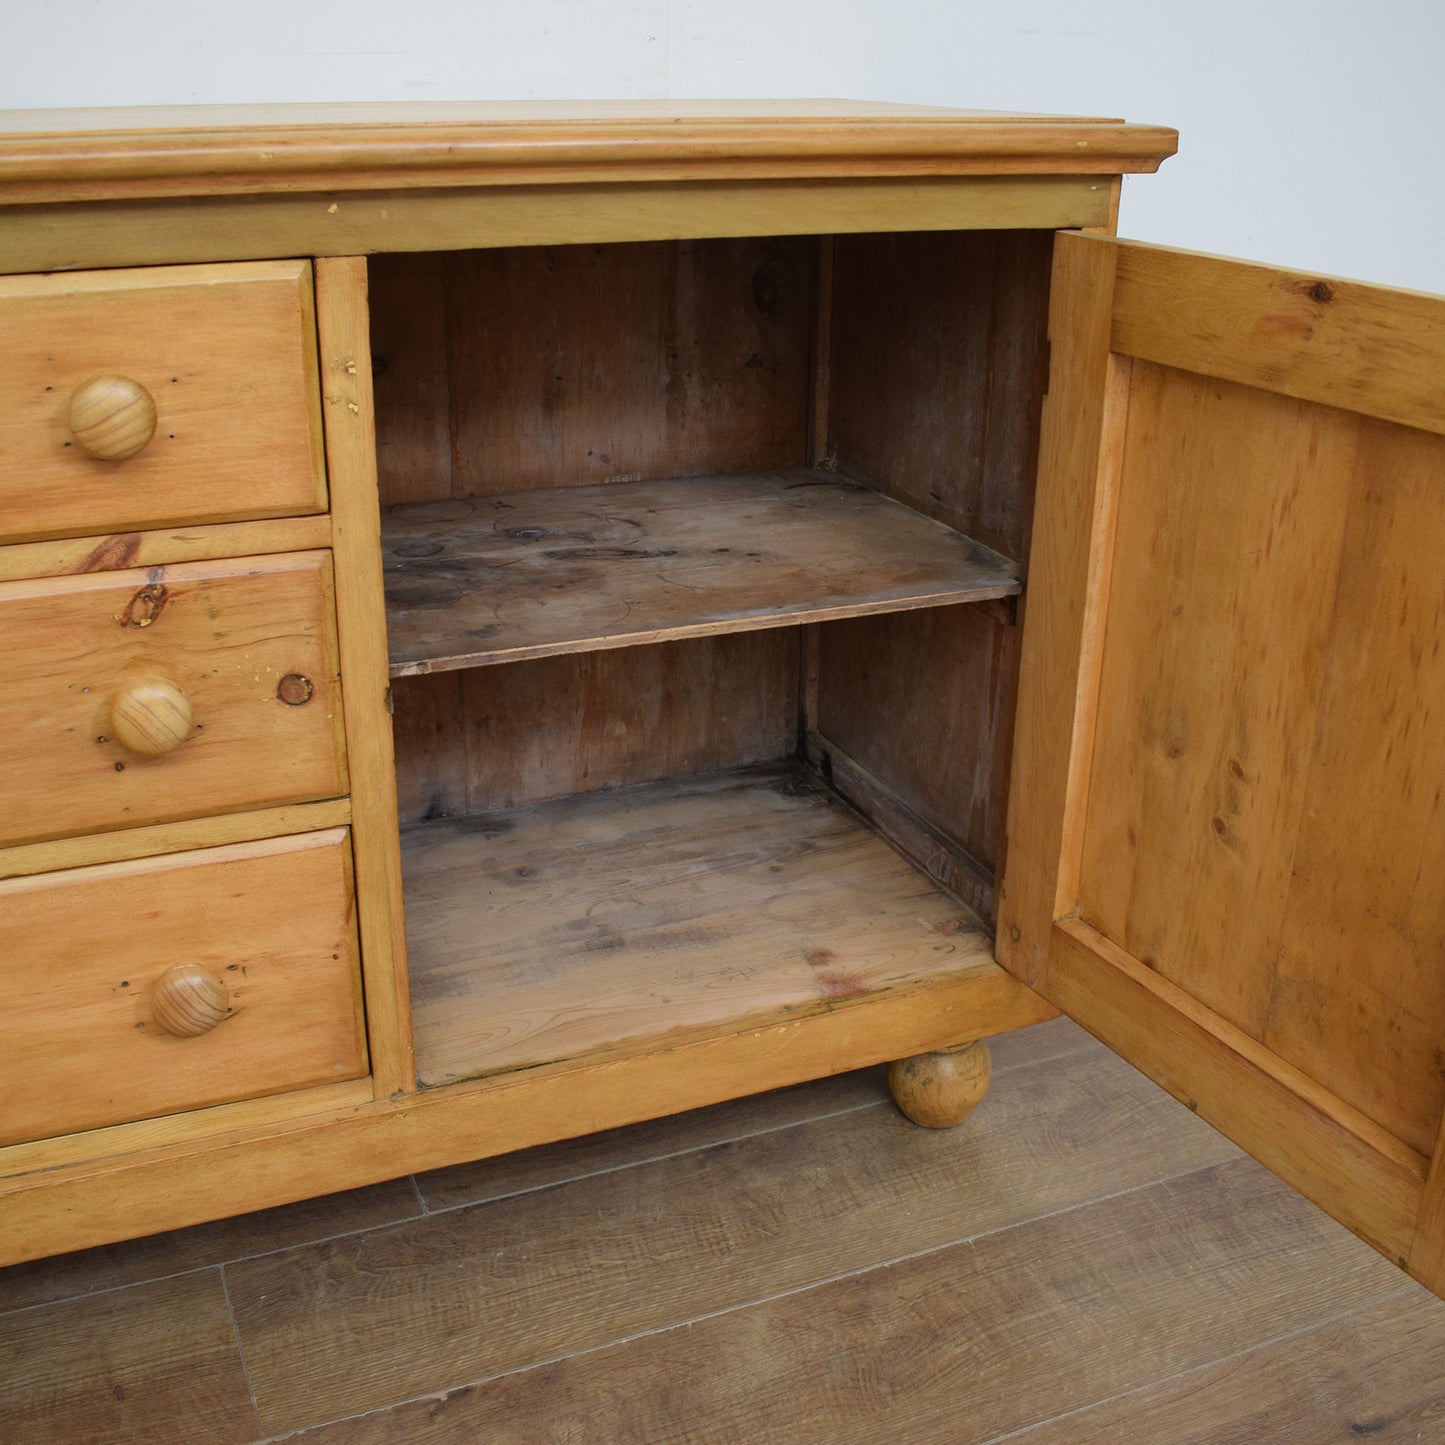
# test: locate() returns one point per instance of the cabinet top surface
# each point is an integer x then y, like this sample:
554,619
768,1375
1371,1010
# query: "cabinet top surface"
71,155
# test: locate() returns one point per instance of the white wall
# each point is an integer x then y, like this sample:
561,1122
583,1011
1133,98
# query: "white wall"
1309,132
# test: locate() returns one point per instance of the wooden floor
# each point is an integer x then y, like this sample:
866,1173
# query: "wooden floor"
1083,1261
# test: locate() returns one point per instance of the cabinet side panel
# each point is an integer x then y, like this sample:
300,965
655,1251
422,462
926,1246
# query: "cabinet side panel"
924,701
939,356
939,364
500,737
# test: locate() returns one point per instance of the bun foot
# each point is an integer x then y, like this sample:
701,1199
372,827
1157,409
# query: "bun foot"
943,1089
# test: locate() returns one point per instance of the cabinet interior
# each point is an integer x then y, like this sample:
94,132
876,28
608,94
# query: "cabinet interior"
703,565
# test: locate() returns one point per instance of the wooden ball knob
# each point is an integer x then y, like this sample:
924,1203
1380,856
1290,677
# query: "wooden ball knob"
150,717
189,1000
112,417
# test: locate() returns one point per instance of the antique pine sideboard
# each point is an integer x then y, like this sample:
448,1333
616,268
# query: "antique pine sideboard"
519,619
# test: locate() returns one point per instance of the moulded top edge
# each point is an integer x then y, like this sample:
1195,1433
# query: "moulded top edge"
144,153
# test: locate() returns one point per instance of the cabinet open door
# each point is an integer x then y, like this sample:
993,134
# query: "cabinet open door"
1226,839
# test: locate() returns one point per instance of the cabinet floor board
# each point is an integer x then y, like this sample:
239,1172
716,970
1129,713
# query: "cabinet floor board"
476,580
571,928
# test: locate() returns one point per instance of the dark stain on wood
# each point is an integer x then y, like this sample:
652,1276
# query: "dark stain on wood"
652,560
112,553
841,985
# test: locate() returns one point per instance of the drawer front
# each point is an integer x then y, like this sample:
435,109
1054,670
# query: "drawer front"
147,696
108,968
210,371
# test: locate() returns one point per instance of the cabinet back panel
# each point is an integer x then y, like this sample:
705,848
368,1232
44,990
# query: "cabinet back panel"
530,367
501,737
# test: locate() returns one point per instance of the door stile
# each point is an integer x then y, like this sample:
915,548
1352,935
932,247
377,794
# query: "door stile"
1072,557
1427,1249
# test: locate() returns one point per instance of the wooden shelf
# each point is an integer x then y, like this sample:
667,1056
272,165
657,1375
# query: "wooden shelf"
481,580
581,927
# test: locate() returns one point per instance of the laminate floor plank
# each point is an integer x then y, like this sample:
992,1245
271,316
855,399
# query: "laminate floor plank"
352,1324
550,1164
961,1344
569,1159
178,1251
1377,1374
155,1362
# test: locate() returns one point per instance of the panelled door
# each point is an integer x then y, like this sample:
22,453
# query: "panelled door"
1226,846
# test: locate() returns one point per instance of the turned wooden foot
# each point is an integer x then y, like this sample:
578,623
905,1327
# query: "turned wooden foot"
943,1089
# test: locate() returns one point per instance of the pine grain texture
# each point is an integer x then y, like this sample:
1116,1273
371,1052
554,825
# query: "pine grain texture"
87,154
501,579
116,550
235,228
228,356
1365,349
87,1050
925,703
227,633
570,366
506,737
601,720
571,928
348,410
1267,853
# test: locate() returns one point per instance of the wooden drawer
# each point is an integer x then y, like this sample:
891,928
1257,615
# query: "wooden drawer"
86,956
145,696
226,356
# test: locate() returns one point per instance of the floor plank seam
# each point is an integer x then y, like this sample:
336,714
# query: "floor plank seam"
1227,1358
109,1289
220,1264
426,1211
758,1133
969,1241
602,1172
240,1348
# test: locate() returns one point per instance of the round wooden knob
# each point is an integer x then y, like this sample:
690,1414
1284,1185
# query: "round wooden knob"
189,1000
150,717
112,417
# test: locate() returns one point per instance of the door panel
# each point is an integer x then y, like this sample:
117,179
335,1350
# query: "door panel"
1226,848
